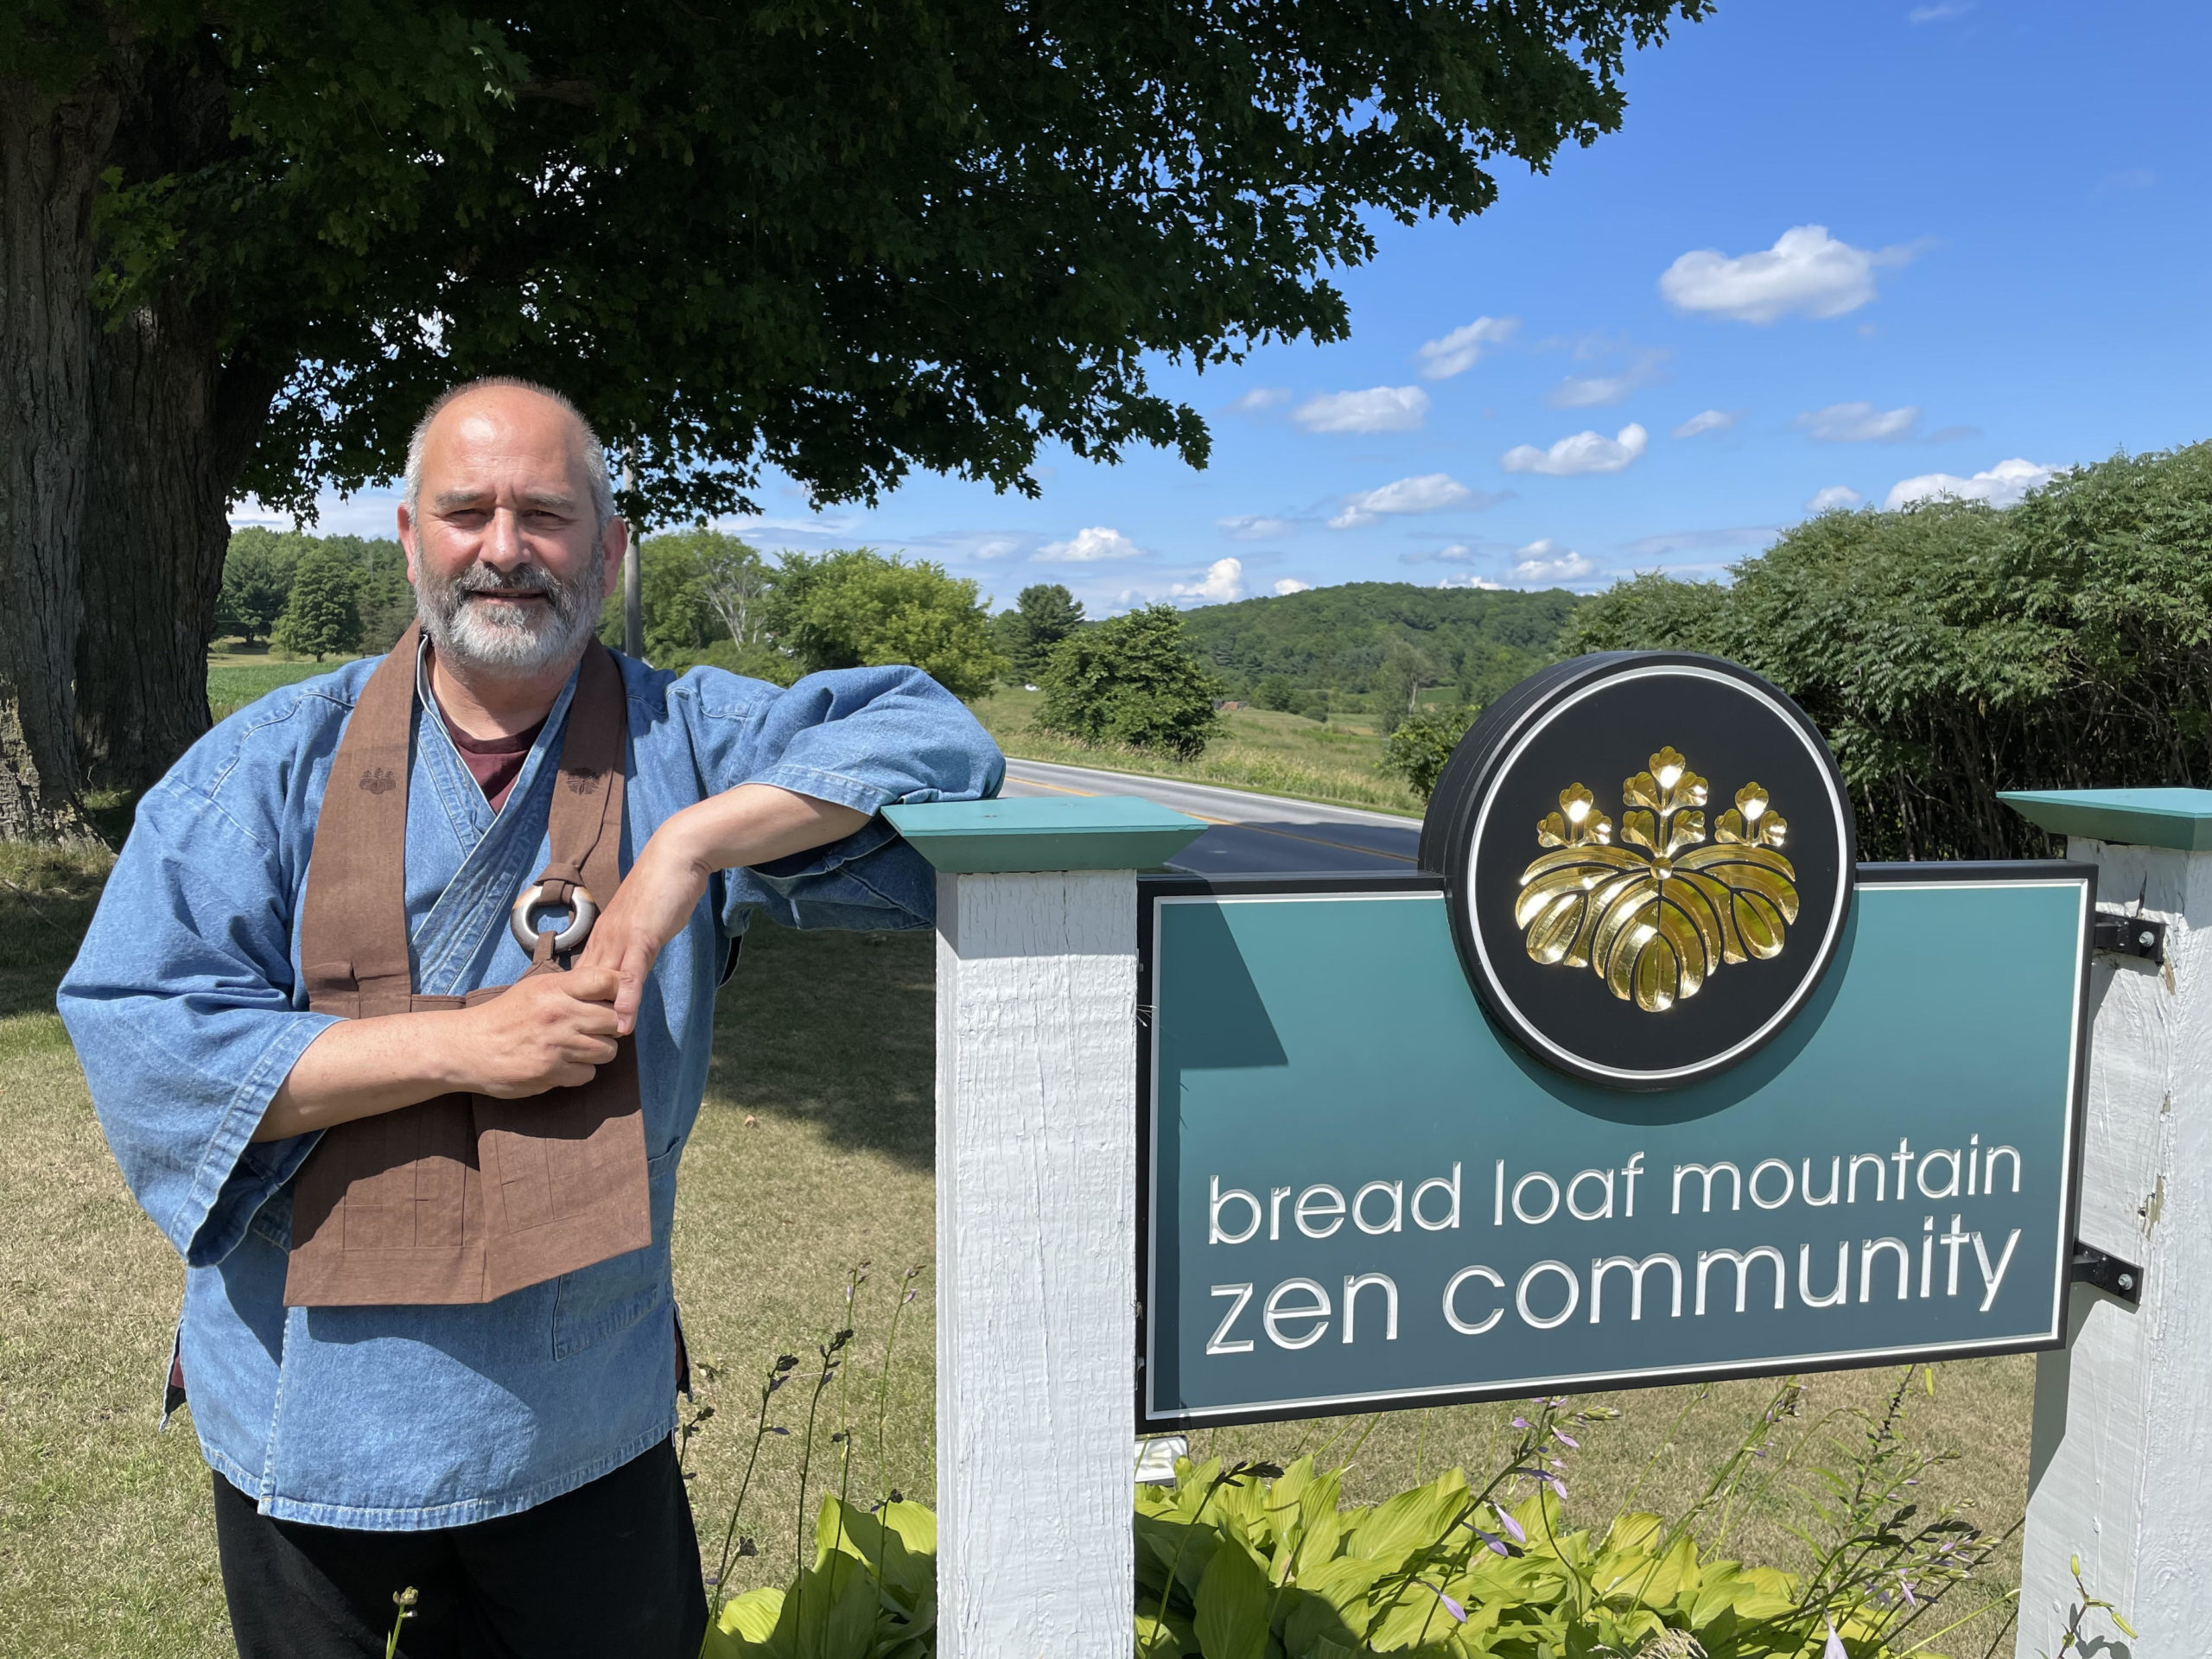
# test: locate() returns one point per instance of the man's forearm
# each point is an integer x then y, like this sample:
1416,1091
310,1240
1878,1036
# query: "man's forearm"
755,823
358,1068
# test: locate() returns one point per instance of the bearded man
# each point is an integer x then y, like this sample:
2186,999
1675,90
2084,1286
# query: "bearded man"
396,1012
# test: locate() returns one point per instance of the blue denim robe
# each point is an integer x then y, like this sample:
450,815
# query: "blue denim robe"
187,1011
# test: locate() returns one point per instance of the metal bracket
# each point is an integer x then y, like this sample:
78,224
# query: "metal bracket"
2108,1274
2129,935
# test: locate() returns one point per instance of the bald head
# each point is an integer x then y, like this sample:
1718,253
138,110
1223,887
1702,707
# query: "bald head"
508,523
515,413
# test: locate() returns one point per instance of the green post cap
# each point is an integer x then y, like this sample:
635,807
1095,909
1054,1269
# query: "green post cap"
2143,817
1087,832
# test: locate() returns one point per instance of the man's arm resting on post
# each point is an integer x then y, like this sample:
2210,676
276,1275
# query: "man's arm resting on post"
552,1031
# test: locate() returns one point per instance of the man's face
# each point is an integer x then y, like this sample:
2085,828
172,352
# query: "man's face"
510,568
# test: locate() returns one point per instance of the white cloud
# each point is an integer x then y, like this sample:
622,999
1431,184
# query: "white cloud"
1459,351
1287,585
1546,561
1468,579
1603,391
1836,496
1091,546
1224,579
1430,493
1260,398
2001,486
1711,420
1860,422
1585,452
1379,409
1254,527
1941,11
1807,272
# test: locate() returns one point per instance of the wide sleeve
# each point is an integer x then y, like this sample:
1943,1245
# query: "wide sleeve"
181,1003
866,738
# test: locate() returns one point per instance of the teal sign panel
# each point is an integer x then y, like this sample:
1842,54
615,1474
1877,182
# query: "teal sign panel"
1360,1194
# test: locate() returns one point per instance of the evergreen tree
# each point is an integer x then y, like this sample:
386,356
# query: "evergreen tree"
1044,614
323,616
1132,680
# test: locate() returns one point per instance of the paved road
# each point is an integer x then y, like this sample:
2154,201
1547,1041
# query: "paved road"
1252,834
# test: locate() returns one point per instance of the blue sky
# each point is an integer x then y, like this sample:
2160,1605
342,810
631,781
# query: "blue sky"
1840,251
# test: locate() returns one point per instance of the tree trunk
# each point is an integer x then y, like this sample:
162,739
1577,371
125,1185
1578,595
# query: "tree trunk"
52,147
173,425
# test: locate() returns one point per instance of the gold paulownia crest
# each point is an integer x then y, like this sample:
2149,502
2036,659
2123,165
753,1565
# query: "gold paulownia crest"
1655,918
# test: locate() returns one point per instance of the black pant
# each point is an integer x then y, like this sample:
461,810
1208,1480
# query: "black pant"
610,1571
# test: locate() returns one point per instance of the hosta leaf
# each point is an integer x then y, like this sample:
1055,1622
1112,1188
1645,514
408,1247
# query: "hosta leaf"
1232,1616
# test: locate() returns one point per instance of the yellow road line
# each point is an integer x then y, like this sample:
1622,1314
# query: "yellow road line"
1234,823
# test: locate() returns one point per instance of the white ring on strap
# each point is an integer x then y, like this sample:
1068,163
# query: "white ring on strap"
582,908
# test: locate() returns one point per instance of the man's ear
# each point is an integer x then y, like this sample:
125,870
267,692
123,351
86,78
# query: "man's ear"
614,542
407,541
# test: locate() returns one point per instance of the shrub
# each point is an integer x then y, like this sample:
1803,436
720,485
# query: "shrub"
1132,680
860,608
1274,692
1423,742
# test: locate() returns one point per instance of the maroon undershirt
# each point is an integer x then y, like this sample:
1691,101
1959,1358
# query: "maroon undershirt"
494,762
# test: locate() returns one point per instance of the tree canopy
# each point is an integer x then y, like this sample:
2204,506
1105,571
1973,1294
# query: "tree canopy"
860,608
1950,650
840,242
1133,680
1045,613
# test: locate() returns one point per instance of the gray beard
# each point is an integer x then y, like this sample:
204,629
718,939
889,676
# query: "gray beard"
505,642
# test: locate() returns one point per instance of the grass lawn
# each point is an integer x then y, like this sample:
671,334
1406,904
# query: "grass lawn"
1274,754
812,1152
238,674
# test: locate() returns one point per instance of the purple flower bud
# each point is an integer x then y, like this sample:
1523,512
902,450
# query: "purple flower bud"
1834,1648
1520,1423
1567,1439
1511,1525
1909,1600
1449,1605
1496,1543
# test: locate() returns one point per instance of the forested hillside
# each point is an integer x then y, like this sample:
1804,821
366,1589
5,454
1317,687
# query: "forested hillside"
1382,641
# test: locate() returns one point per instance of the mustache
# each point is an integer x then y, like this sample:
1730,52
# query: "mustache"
523,579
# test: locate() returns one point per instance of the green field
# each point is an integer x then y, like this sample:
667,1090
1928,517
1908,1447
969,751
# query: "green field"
1274,754
812,1152
236,678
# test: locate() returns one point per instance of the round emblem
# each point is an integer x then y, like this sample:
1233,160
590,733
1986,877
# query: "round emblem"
1649,858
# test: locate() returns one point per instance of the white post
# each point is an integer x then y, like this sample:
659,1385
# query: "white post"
2123,1416
1036,1204
1036,1216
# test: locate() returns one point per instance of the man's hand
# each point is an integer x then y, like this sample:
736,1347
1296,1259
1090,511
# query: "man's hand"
549,1030
753,823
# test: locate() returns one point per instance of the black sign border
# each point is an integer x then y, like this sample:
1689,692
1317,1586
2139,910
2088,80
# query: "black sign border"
1462,793
1153,888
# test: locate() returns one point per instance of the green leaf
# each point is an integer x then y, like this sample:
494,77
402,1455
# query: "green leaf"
1232,1616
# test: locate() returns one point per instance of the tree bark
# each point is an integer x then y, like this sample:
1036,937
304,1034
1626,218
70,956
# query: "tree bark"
175,416
52,147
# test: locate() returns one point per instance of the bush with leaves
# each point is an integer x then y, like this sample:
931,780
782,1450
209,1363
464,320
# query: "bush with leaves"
1132,680
1950,650
1423,742
859,608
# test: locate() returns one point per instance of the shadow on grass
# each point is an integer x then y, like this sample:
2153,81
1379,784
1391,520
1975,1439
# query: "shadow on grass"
47,896
835,1031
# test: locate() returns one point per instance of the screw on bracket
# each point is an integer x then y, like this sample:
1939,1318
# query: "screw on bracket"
2108,1274
2142,937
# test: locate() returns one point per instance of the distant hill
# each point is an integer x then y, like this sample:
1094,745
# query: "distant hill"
1341,639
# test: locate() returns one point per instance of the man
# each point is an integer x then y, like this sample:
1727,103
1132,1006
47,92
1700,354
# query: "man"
412,1118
